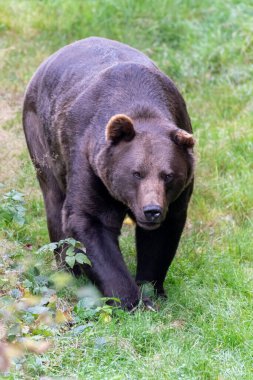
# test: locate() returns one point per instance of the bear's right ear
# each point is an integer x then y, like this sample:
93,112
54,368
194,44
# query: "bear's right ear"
119,128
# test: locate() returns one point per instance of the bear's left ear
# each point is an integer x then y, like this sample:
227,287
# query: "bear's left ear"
183,138
119,128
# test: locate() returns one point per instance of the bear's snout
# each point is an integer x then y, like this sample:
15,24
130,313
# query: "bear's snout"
152,213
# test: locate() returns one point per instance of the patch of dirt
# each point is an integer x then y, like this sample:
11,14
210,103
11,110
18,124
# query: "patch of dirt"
7,246
12,142
6,112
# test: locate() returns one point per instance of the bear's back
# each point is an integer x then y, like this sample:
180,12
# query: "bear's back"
83,61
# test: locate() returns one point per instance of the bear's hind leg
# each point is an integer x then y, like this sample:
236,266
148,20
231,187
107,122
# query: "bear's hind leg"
52,193
53,199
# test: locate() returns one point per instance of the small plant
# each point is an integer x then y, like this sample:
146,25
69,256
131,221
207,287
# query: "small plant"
96,309
75,253
12,208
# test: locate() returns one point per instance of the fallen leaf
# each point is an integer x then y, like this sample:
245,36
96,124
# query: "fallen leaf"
29,299
60,317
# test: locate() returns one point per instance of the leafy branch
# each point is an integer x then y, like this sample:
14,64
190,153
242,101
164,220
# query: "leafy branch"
75,253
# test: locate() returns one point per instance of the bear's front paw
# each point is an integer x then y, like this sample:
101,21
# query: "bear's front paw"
144,303
148,304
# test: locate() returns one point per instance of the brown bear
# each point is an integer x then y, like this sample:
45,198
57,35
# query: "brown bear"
109,135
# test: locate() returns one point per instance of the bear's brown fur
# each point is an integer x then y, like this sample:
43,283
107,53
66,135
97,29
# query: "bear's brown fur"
109,135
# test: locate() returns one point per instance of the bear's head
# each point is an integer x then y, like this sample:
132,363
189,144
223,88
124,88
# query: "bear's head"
146,166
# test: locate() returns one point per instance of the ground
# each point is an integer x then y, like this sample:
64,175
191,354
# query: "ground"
204,329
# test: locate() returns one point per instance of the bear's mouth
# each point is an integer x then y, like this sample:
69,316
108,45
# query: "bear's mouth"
148,225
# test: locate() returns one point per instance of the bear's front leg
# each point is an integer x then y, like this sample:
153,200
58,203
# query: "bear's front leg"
156,249
108,270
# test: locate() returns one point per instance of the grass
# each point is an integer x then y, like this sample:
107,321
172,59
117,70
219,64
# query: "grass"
204,329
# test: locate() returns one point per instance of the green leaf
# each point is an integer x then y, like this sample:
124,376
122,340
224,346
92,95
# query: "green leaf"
27,284
82,259
48,247
70,260
100,342
79,329
70,241
38,309
19,219
80,246
70,251
73,243
87,303
16,293
36,271
61,242
46,331
41,280
14,195
13,332
106,299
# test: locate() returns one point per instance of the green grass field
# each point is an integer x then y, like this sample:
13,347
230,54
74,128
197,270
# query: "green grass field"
205,328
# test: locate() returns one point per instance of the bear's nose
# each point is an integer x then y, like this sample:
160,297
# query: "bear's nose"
152,212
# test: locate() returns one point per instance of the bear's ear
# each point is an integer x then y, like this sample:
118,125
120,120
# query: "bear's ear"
183,138
119,128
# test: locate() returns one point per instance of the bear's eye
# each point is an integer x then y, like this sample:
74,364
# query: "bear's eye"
137,175
168,177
